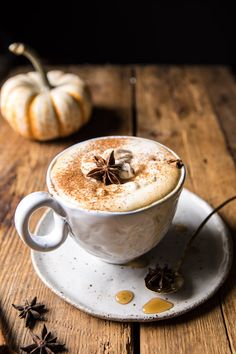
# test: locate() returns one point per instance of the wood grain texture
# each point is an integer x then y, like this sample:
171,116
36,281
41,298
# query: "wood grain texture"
22,170
180,115
190,109
221,87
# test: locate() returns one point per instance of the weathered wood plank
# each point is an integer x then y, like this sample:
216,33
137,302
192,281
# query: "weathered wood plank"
221,87
22,170
173,107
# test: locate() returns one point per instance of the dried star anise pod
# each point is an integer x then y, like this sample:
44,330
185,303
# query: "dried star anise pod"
47,344
31,311
107,170
179,163
161,280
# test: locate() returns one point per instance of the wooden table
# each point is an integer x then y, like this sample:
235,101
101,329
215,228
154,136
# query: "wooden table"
190,109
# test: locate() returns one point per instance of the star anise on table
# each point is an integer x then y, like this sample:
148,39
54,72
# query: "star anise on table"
160,280
31,311
107,170
47,344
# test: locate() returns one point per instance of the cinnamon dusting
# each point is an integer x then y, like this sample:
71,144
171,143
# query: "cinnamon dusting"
72,183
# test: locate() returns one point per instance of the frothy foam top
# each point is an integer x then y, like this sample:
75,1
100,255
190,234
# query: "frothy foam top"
147,174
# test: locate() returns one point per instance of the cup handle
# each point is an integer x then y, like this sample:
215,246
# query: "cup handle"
23,212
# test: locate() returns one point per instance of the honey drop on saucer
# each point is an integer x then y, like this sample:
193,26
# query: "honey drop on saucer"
157,305
124,297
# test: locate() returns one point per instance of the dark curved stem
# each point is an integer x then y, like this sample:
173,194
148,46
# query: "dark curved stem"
182,259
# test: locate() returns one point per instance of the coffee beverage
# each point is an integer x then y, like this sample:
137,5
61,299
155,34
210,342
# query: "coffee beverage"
115,196
145,172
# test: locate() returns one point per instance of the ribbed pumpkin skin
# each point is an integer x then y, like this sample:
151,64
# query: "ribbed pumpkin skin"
44,114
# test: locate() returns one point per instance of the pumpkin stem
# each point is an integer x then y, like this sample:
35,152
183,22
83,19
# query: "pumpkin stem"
22,49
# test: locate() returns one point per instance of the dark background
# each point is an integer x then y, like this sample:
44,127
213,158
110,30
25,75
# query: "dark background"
119,32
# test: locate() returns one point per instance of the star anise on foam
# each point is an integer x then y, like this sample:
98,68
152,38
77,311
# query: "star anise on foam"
160,280
179,163
31,311
47,344
107,170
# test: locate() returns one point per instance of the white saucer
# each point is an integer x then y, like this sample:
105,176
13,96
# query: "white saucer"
90,284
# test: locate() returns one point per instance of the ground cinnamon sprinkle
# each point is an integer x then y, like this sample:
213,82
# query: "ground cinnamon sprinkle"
105,144
71,182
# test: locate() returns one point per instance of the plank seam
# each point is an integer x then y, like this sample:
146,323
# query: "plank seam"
225,326
221,126
136,338
133,81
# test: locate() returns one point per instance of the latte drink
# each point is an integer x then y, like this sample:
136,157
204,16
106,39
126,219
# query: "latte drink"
141,173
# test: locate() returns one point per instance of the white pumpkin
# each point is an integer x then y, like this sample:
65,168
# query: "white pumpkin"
44,106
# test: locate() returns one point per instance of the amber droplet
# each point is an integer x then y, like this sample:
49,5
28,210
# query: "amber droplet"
124,297
157,305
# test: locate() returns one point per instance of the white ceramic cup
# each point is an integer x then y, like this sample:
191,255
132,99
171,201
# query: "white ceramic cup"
115,237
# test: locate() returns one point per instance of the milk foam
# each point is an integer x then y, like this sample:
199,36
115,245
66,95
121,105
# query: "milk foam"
147,174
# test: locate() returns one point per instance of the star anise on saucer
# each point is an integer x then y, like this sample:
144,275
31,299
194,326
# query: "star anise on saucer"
179,163
107,170
47,344
160,280
31,311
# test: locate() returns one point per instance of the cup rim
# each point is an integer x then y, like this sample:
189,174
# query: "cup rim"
72,205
